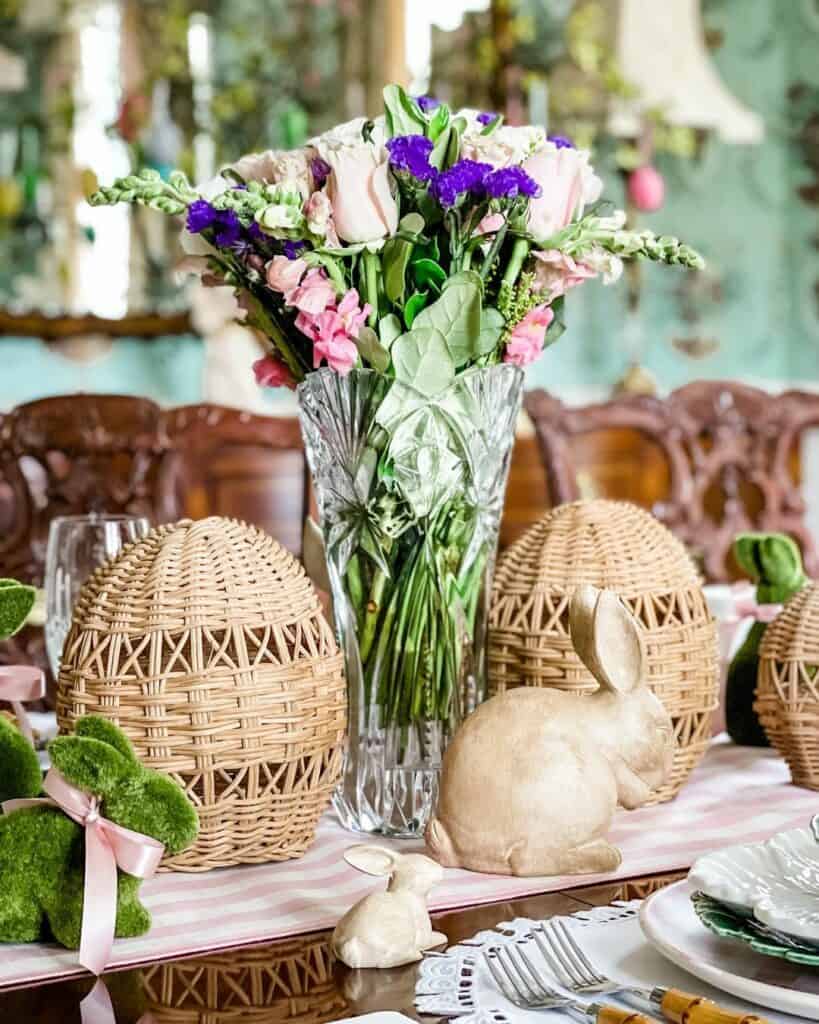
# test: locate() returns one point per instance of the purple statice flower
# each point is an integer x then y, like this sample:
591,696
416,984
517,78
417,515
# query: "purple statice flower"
320,170
487,117
561,141
292,249
201,215
510,182
228,229
427,103
411,153
463,176
255,233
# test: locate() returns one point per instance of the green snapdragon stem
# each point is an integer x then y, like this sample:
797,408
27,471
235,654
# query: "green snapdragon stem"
520,250
494,249
372,613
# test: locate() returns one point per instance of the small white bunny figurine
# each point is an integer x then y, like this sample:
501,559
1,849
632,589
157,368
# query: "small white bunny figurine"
531,780
388,929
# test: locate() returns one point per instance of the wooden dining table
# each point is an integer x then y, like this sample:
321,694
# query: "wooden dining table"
292,980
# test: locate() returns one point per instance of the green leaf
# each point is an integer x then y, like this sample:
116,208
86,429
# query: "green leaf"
403,115
496,122
456,315
427,271
439,151
412,224
371,350
422,360
456,129
415,303
394,263
439,121
492,325
389,328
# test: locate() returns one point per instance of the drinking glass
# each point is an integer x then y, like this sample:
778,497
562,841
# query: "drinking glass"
77,545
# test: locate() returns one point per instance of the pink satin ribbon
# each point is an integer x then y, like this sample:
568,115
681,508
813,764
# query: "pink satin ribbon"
745,604
107,846
19,684
97,1007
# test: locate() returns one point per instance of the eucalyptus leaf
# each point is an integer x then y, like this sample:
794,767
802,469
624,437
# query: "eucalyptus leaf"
389,328
492,325
456,315
412,224
371,350
427,271
403,115
415,303
422,359
394,263
398,403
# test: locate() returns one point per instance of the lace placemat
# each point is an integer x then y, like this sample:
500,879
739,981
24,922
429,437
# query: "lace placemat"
458,984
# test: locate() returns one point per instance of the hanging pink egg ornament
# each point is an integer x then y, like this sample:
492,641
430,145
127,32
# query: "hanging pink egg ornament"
646,189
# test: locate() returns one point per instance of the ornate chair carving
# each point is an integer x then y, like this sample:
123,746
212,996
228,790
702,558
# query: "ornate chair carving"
710,460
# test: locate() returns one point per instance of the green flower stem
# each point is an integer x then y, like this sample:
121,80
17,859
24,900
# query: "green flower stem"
355,587
372,613
520,250
494,249
372,268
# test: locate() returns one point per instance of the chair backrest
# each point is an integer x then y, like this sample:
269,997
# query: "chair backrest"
710,460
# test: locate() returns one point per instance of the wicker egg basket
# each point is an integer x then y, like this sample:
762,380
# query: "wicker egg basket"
787,691
205,642
621,547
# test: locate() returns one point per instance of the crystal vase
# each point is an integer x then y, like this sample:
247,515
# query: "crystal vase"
410,492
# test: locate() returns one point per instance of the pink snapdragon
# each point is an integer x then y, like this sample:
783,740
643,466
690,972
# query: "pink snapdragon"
308,290
284,275
556,273
526,340
271,372
334,330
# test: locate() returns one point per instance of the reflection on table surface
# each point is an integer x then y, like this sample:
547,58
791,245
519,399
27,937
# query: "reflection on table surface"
292,981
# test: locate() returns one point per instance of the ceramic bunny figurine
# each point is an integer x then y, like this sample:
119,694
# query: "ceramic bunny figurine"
531,780
388,929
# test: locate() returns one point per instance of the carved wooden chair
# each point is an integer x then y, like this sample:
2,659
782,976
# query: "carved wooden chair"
710,460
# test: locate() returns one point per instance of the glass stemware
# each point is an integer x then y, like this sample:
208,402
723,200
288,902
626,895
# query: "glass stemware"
77,545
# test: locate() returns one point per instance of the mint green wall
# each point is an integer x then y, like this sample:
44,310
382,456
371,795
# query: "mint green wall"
739,206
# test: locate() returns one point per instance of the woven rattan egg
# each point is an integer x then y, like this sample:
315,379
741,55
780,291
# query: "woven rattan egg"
205,642
787,691
622,547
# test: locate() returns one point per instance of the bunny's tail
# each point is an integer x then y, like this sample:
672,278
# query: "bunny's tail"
440,845
20,774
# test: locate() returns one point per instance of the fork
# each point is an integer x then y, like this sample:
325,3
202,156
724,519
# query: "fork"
522,984
574,971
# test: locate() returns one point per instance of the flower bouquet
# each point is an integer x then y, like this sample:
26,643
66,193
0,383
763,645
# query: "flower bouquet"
403,270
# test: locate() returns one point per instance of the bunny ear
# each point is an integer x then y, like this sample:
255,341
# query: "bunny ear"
372,860
606,638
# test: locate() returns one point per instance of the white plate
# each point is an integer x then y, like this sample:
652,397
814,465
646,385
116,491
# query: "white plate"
777,881
671,926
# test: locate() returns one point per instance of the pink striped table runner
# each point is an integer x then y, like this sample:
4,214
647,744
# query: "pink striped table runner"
736,794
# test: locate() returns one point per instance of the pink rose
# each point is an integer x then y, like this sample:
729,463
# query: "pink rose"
526,340
358,188
284,275
556,273
314,294
272,373
567,184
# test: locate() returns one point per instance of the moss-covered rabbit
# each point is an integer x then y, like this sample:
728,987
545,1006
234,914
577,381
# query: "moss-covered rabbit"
16,602
774,563
42,851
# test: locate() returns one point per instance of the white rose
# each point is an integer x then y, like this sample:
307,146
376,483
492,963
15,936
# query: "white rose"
349,134
567,183
289,167
508,144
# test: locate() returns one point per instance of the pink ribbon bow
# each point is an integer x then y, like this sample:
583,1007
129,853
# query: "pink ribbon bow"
97,1007
19,683
746,606
107,846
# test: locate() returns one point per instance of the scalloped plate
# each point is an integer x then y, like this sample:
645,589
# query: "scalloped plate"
670,924
775,881
728,924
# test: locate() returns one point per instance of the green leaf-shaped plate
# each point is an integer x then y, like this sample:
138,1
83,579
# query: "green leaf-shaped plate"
723,921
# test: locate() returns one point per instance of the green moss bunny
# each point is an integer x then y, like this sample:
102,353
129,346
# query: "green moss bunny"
42,851
16,602
774,563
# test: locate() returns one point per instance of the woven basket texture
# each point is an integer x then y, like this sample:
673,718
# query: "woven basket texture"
623,548
205,642
289,983
787,691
